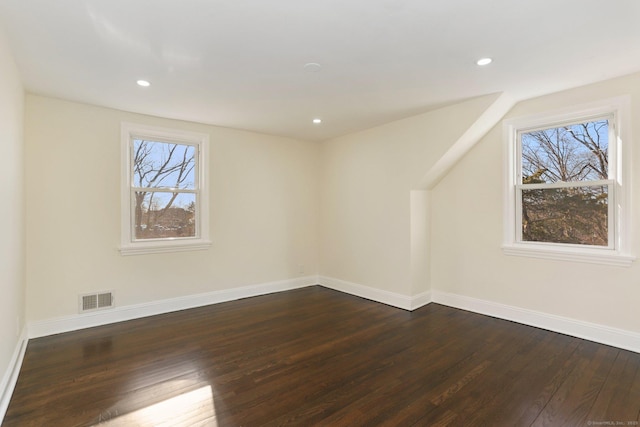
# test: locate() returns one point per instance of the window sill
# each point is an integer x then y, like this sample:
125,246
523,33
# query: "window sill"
591,256
163,247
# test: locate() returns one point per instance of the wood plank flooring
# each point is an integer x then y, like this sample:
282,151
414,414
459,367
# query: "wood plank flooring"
314,356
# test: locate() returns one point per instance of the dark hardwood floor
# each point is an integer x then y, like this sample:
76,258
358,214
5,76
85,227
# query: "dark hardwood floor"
314,356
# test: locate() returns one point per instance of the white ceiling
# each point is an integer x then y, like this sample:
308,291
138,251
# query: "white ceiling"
240,63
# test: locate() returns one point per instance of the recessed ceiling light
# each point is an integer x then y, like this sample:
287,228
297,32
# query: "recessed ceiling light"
143,83
484,61
312,67
317,121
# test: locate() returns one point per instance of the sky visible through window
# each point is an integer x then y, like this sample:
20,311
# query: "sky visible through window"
577,152
163,165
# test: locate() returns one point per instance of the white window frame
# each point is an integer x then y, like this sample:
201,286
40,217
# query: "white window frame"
131,246
618,252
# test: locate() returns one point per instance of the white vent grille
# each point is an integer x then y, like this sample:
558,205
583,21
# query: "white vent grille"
95,301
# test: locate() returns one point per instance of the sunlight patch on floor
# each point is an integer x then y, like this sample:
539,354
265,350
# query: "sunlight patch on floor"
192,408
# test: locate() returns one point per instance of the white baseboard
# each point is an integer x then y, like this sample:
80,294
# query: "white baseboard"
10,377
620,338
390,298
420,300
119,314
590,331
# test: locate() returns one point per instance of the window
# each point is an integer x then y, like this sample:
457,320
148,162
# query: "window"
164,190
566,185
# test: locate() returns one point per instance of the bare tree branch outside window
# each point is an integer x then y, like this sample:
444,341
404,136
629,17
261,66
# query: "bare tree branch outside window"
164,189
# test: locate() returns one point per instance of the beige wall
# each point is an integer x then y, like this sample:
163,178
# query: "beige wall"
345,209
366,198
264,211
11,206
467,233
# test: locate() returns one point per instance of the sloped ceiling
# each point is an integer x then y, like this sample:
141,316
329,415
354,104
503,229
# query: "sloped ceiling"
241,64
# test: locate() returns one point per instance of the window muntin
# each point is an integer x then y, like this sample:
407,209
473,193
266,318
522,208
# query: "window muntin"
164,190
565,195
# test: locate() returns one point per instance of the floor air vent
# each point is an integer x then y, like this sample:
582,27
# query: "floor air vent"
96,301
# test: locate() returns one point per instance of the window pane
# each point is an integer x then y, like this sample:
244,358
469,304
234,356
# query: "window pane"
566,215
577,152
163,165
162,214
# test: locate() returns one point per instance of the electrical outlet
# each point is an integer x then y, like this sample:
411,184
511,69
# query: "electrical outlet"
301,269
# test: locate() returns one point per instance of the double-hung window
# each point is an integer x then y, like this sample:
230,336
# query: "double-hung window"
164,190
567,186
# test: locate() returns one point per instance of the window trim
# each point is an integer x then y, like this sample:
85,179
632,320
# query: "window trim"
619,252
128,244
